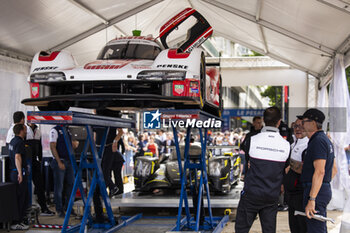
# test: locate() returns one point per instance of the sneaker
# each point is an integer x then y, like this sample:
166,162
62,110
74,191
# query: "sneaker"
114,191
282,208
47,212
19,226
61,214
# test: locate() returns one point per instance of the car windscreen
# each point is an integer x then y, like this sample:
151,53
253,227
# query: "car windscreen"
129,51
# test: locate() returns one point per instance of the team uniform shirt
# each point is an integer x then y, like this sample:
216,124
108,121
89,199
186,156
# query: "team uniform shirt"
11,134
17,146
291,180
268,152
297,148
56,135
319,147
35,144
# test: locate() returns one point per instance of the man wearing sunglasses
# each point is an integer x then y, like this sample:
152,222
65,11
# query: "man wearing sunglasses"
291,181
318,170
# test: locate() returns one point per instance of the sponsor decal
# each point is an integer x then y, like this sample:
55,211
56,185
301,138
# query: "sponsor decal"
154,120
194,87
179,89
172,66
194,90
102,65
151,120
34,90
200,40
142,67
45,68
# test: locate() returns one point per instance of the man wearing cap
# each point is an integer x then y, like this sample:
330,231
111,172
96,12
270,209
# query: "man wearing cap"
268,152
318,170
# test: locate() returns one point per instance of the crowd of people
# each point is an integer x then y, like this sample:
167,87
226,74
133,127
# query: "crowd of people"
275,159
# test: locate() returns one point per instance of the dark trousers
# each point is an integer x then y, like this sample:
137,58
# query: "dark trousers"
21,194
117,172
323,198
112,162
98,204
247,210
38,184
63,180
297,223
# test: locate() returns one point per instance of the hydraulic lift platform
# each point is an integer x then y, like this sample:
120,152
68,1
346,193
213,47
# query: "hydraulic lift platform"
137,199
89,121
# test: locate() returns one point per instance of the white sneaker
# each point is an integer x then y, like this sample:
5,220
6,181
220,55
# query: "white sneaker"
19,226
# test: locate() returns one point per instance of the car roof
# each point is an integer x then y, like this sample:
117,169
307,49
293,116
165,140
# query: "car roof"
146,40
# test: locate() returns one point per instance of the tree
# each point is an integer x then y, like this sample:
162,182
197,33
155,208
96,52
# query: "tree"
274,93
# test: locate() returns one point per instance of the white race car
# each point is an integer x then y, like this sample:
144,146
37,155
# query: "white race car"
131,73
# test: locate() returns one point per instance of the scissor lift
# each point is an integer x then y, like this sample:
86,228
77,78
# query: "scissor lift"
89,121
197,185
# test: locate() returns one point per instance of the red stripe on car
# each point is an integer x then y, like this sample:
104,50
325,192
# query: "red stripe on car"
49,57
173,22
172,53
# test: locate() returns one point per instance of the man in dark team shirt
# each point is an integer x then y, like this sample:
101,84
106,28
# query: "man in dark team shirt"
318,170
268,152
18,173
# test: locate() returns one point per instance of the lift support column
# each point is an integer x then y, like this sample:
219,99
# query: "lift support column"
197,183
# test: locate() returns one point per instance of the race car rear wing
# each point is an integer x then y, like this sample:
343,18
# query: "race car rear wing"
196,35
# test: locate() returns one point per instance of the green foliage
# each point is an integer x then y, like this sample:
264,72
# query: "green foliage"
274,93
256,54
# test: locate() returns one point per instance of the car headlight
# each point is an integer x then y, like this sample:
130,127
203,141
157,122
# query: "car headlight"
47,77
215,168
161,75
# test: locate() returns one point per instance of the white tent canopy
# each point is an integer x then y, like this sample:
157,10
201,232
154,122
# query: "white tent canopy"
305,34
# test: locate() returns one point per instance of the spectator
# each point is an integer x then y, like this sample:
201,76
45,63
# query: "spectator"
318,170
151,146
140,146
268,152
169,142
62,169
130,147
18,175
292,185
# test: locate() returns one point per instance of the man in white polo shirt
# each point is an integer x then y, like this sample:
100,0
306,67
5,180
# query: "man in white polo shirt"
292,185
